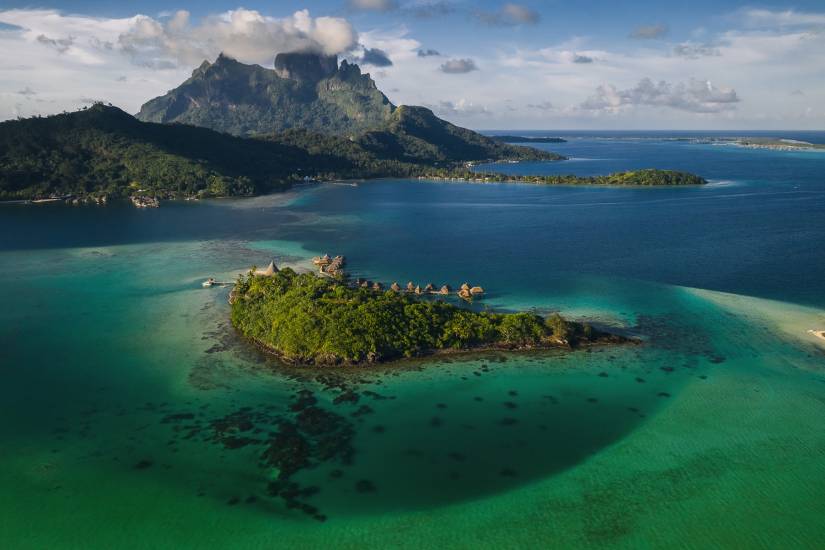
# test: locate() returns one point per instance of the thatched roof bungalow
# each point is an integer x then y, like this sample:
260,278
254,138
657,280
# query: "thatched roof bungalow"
429,288
395,287
445,290
269,271
323,260
410,286
465,286
418,289
377,286
476,290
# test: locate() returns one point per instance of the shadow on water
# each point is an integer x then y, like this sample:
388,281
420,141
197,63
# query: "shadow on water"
31,227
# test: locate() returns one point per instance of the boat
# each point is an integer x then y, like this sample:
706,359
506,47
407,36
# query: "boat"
208,282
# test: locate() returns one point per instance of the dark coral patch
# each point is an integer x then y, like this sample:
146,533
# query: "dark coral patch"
143,464
365,486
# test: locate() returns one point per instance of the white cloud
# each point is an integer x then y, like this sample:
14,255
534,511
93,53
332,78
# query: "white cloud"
786,18
694,96
458,66
245,35
509,14
692,50
462,107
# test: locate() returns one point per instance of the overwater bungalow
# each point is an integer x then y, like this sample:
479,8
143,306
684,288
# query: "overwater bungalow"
418,289
395,287
410,286
322,260
476,290
377,286
429,288
269,271
466,287
465,294
445,290
365,284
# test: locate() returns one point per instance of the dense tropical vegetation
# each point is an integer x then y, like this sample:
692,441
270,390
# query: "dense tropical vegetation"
646,177
307,319
103,151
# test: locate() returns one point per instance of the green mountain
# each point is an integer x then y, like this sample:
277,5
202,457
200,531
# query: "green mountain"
103,151
304,90
415,134
312,92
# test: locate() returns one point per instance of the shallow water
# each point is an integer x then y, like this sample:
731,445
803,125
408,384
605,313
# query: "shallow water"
132,417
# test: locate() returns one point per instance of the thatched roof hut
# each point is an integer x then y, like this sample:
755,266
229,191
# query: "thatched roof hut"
418,289
429,288
465,286
465,294
395,287
377,286
365,284
445,290
476,290
269,271
323,260
410,286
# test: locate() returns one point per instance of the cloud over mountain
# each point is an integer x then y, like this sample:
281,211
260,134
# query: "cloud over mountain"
246,35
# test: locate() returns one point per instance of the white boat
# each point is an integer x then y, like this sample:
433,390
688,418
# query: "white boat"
208,282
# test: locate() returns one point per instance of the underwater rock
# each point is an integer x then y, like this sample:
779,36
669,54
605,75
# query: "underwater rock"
365,486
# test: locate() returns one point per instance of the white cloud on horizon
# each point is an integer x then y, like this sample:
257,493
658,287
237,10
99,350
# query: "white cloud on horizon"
694,96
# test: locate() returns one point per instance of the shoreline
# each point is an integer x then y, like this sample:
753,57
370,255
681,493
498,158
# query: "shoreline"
604,339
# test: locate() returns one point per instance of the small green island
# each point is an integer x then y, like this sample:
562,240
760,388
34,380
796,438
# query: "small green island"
642,178
307,319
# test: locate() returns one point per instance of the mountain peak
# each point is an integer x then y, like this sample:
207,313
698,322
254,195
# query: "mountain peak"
305,66
303,90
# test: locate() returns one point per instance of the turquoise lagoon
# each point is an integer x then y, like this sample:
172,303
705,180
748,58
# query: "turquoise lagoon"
131,416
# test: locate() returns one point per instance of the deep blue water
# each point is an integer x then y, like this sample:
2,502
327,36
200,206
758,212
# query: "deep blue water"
757,229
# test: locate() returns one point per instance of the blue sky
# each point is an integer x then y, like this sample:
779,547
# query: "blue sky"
588,64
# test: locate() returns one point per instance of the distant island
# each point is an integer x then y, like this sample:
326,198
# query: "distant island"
525,139
306,319
644,178
778,144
